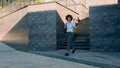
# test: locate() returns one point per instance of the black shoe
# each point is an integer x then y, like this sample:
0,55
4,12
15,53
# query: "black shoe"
73,51
66,54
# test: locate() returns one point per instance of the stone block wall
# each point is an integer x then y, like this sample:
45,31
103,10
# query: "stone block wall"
60,35
42,30
105,28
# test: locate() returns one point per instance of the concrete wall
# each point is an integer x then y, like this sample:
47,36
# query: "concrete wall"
36,27
17,37
13,29
9,21
83,11
100,2
63,11
105,28
42,7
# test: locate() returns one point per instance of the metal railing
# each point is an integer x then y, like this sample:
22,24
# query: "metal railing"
8,6
68,3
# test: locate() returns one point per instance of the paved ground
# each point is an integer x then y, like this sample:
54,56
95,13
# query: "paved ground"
100,59
16,59
26,60
11,58
4,47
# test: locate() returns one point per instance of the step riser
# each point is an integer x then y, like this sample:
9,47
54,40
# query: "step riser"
76,48
78,45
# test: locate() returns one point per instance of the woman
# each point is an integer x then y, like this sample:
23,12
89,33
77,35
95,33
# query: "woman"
70,29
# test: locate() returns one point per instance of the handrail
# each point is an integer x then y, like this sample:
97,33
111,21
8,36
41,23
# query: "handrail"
83,6
75,4
38,4
67,3
17,5
67,8
13,12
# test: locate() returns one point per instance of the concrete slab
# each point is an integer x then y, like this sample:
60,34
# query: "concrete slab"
19,59
100,59
11,58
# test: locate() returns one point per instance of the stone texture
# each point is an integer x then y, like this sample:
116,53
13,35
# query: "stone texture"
105,28
60,35
44,30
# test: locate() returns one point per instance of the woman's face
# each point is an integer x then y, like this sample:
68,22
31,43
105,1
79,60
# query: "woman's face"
69,19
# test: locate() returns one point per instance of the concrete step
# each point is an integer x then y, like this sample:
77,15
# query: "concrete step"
77,47
81,38
79,41
81,35
77,44
80,45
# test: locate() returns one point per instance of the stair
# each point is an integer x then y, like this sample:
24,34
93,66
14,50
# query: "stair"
80,41
81,37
